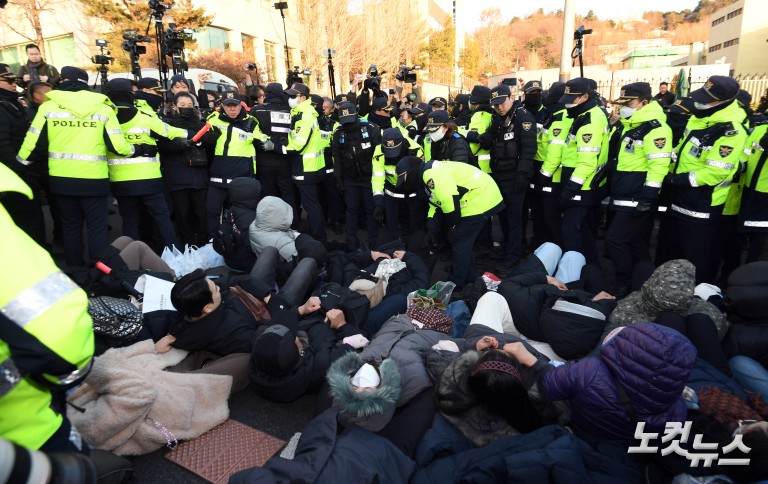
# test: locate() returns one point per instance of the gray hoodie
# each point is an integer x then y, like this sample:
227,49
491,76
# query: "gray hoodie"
272,228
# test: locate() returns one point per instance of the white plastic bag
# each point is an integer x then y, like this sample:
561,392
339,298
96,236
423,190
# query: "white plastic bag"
211,257
191,260
172,257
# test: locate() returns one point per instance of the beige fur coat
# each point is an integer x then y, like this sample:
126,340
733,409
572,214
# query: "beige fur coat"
127,387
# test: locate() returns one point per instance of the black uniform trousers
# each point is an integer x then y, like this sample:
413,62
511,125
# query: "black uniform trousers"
189,215
75,213
512,218
463,266
214,202
155,205
359,198
331,199
628,242
310,200
578,231
552,218
276,181
394,204
682,237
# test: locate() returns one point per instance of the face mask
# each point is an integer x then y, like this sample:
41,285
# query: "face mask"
570,105
293,102
533,99
626,112
186,112
437,135
403,122
473,107
701,107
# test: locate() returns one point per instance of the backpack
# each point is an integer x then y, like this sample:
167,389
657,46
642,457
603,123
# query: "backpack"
354,305
233,244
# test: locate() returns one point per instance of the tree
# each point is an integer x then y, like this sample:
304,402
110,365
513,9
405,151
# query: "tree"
590,15
442,46
122,15
23,13
469,59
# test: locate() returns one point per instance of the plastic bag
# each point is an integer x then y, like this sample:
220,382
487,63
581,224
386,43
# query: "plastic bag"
191,260
172,257
437,296
210,256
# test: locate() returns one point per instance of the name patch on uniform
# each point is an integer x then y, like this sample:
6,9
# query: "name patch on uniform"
365,145
280,118
527,126
556,132
586,138
725,151
660,142
509,136
431,184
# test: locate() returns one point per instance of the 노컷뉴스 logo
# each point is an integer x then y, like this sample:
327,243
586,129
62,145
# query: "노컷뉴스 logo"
695,450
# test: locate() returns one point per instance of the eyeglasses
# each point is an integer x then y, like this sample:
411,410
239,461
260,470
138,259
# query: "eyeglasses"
8,80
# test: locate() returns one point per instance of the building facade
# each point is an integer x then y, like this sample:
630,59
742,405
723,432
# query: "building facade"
738,37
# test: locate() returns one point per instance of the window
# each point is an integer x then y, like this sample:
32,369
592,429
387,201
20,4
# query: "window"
10,56
715,47
269,53
735,13
212,38
248,48
62,52
718,21
731,42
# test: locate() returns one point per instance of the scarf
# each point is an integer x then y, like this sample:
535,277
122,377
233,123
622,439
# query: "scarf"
34,76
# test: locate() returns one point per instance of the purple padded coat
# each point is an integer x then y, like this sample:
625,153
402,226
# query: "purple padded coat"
652,364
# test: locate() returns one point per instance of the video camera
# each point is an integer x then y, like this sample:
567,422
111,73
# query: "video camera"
296,75
581,32
173,46
131,38
406,74
159,8
104,57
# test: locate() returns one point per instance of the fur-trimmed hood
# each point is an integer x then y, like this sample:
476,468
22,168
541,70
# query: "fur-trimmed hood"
368,409
459,405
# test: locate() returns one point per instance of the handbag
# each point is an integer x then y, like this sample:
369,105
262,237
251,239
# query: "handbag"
114,318
431,318
197,157
254,305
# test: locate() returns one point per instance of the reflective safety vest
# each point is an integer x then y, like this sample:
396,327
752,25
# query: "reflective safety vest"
384,172
305,139
707,159
585,155
140,175
445,180
43,310
480,122
234,155
753,216
555,136
75,123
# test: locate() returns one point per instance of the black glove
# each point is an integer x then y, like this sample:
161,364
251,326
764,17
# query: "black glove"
643,206
339,184
144,150
472,136
453,235
430,240
680,180
186,143
520,185
378,213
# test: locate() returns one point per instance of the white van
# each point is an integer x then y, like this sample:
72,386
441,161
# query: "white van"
217,82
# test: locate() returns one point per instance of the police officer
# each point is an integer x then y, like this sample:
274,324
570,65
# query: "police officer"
388,198
753,216
46,345
460,112
305,148
381,114
482,115
137,181
274,170
234,155
353,146
533,100
583,159
700,179
332,206
465,196
409,123
640,151
78,127
441,140
438,103
150,94
512,141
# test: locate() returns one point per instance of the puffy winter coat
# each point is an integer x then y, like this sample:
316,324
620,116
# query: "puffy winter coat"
232,240
651,362
327,452
670,288
272,228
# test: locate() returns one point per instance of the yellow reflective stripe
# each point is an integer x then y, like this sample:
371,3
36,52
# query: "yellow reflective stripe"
690,213
557,141
484,157
98,117
545,173
378,173
34,130
757,146
590,149
139,131
580,181
75,375
23,161
624,203
721,164
755,223
652,184
115,131
692,179
76,156
309,156
654,156
60,115
33,301
398,195
132,161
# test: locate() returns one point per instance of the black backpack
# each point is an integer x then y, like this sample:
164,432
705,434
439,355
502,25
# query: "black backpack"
354,305
233,244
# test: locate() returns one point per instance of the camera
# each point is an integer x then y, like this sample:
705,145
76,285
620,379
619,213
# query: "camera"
173,46
509,81
101,43
130,40
373,71
406,74
251,66
157,6
104,57
296,75
581,32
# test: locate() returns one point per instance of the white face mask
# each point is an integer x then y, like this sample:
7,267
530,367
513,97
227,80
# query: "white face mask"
626,112
437,135
701,107
571,105
293,102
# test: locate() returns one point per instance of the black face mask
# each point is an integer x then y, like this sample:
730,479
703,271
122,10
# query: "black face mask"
455,111
413,182
532,100
186,112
